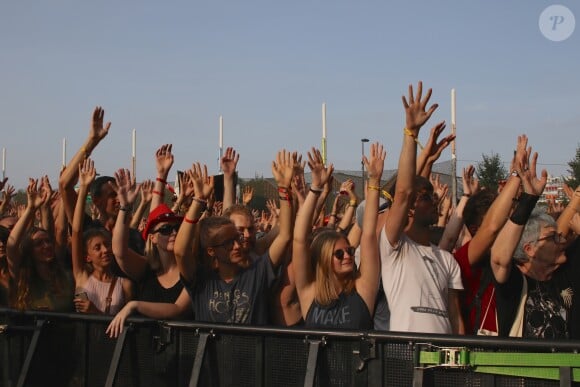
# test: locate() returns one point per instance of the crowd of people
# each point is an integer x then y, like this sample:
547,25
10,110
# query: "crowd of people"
403,259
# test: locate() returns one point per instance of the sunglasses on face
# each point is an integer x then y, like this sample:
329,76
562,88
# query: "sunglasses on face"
41,241
228,244
556,238
339,254
167,229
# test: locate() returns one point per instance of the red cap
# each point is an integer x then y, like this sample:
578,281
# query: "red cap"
161,213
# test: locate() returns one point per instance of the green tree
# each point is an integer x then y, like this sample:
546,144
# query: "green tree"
574,180
490,171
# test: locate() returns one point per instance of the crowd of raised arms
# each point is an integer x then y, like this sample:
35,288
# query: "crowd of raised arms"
404,259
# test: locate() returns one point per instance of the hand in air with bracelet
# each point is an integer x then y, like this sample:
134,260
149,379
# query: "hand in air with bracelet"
319,173
125,188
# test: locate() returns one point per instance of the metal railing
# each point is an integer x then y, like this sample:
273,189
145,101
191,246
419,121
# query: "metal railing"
40,349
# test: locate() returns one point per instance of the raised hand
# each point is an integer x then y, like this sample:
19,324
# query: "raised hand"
202,182
376,163
532,184
439,188
87,172
320,173
36,197
283,168
125,187
45,186
3,183
146,191
415,112
229,161
434,148
470,183
164,159
247,195
98,129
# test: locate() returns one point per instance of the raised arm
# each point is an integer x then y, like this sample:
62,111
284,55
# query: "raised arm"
163,163
68,178
351,206
283,169
132,263
46,216
432,150
416,116
146,190
36,198
508,238
499,211
303,272
87,175
455,223
229,163
8,192
566,216
185,241
368,283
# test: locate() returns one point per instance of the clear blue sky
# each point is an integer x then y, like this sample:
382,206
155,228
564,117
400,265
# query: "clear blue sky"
169,69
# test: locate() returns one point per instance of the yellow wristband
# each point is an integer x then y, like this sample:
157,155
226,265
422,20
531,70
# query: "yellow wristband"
409,133
374,187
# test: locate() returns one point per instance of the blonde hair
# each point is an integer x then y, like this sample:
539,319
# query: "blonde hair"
322,254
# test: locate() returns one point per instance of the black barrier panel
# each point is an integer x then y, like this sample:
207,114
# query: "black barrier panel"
73,350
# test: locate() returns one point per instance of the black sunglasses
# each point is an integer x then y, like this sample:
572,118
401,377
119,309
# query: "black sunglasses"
167,229
228,244
339,254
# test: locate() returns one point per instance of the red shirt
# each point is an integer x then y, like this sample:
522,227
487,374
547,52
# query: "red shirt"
471,277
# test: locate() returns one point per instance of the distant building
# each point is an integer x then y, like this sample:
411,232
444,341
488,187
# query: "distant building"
554,190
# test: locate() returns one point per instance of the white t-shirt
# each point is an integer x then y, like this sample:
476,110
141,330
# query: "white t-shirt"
416,280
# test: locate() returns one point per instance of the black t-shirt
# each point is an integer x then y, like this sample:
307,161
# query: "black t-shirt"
244,300
549,311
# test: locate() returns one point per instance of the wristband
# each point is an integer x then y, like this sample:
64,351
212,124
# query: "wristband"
190,221
161,180
333,214
374,187
523,210
316,191
125,208
410,134
352,203
200,201
466,195
155,192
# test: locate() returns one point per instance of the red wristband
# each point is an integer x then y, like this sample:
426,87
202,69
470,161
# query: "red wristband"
190,221
161,180
157,193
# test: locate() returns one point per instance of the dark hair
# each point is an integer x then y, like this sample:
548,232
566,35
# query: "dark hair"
4,233
97,185
208,229
419,183
476,208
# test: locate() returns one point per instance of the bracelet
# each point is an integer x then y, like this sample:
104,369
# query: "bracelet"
155,192
125,208
316,191
161,180
515,173
190,221
352,203
374,187
333,214
387,195
286,198
410,134
201,201
466,195
282,189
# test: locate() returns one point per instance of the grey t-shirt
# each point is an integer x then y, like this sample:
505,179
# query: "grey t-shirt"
242,301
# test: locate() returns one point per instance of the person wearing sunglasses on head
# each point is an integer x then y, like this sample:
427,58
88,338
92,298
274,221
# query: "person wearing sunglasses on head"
331,291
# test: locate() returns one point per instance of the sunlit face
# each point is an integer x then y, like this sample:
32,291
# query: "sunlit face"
425,211
246,229
547,250
43,247
164,234
99,251
227,248
107,202
342,258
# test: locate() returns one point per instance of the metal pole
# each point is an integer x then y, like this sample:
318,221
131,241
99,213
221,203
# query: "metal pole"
362,143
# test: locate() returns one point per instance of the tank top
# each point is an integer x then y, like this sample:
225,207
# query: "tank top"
98,291
349,311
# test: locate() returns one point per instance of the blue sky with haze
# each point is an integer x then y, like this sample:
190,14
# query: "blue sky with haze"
169,69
